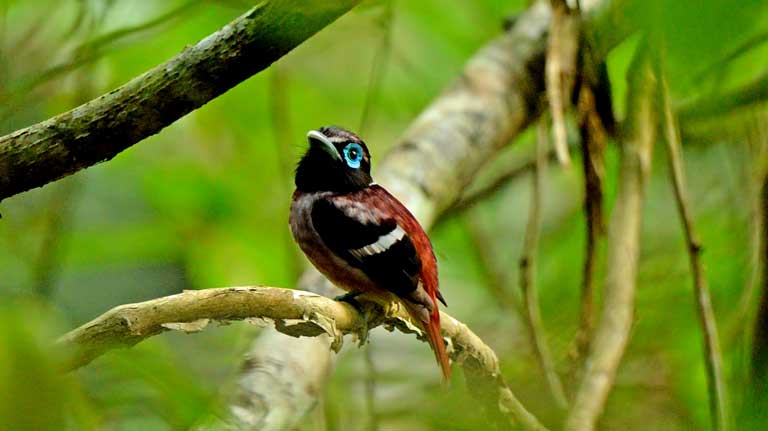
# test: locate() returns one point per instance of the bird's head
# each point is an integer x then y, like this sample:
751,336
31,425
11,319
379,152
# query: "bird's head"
337,161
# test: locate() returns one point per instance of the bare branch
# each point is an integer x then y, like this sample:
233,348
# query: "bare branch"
562,53
712,355
612,333
98,130
527,265
292,312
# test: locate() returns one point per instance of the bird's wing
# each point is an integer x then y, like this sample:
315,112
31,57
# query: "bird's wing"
370,240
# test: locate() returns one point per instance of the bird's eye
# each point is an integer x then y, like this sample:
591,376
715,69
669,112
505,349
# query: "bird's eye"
353,154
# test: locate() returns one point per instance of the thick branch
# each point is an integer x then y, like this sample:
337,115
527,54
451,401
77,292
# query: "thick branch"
293,312
100,129
612,333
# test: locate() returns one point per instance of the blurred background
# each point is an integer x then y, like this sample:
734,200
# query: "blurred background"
205,204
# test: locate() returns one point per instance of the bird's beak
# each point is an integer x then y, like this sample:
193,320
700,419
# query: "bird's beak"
317,139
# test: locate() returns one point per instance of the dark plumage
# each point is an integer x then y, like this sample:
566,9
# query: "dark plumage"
360,236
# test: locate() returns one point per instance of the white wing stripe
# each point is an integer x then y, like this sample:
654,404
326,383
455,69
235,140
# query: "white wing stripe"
382,244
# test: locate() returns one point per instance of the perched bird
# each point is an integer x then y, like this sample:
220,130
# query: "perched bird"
361,237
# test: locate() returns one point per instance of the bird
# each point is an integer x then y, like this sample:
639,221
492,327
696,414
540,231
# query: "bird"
360,237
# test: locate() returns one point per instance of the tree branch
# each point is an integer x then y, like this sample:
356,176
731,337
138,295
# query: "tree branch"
712,355
527,266
100,129
292,312
612,333
560,71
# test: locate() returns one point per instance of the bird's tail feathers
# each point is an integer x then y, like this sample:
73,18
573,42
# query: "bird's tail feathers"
430,322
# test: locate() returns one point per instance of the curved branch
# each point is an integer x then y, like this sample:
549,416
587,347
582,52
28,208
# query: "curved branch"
292,312
623,244
98,130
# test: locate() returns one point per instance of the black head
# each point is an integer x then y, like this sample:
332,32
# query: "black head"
336,161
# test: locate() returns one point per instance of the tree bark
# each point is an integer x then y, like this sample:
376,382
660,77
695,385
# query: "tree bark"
292,312
100,129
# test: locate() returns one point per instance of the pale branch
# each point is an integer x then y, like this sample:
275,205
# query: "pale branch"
612,332
98,130
292,312
712,352
527,271
560,71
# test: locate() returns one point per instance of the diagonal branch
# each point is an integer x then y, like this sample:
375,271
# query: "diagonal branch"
623,243
98,130
713,356
292,312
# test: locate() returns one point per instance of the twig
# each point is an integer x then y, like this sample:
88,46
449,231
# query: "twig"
560,71
712,356
527,266
292,312
98,130
612,333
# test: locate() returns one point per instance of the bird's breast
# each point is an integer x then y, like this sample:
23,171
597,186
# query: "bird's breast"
334,268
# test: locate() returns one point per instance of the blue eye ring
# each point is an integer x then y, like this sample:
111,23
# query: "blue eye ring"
353,155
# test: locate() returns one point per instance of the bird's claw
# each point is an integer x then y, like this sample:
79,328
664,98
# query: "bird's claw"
350,298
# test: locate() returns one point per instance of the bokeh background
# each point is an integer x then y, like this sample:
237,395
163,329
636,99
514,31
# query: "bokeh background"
205,204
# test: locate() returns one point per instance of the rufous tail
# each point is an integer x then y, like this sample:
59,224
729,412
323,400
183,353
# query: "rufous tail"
436,342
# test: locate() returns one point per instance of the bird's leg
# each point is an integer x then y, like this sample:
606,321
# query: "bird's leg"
364,309
349,298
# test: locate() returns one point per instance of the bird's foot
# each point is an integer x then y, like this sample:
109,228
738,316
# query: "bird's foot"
350,298
364,310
